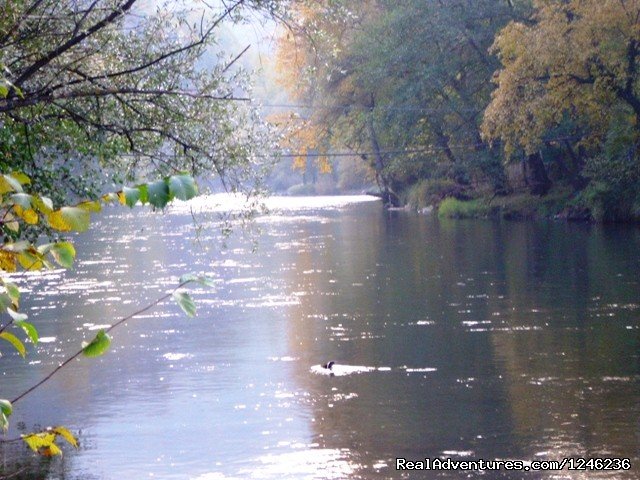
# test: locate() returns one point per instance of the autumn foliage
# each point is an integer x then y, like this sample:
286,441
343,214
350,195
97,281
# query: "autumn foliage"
442,91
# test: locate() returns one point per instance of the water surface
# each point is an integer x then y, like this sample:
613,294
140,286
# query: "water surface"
454,339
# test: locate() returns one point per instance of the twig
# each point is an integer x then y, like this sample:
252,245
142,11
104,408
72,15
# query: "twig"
79,352
14,474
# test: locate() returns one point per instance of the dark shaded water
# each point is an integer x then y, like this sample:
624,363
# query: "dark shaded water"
465,340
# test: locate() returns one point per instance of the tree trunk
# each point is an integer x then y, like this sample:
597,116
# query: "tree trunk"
388,196
578,182
536,175
379,162
443,142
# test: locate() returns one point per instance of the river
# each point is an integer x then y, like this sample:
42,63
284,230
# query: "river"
455,339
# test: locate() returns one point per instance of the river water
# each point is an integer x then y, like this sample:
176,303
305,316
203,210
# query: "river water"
454,339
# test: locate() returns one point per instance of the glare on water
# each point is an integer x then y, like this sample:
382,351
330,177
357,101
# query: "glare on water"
460,340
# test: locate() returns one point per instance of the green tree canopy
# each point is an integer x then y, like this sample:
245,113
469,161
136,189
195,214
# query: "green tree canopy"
106,88
406,82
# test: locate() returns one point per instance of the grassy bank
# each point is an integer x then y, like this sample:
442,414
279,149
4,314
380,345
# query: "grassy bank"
516,206
597,202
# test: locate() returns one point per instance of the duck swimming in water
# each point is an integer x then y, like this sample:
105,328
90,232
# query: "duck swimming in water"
328,365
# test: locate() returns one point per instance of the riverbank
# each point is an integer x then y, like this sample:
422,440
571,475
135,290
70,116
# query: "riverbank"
560,203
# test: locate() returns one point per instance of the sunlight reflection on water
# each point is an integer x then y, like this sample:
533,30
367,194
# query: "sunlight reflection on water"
306,464
448,348
224,202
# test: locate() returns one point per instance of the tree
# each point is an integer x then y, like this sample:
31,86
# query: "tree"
569,83
104,88
314,63
412,102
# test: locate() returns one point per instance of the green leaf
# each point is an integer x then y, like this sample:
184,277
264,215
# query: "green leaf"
13,340
201,279
6,301
13,292
44,204
63,253
29,329
6,407
4,422
17,317
182,187
131,196
69,218
144,193
186,303
9,184
22,199
18,91
158,194
98,346
21,177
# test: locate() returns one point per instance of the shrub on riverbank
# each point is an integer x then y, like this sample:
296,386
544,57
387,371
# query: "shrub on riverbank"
606,204
512,207
454,208
432,191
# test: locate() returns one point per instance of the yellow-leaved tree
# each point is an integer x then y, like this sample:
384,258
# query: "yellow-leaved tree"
570,80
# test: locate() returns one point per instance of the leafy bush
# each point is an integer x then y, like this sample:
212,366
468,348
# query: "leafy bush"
454,208
433,191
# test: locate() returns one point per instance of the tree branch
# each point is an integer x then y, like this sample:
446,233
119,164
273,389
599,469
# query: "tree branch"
79,352
114,15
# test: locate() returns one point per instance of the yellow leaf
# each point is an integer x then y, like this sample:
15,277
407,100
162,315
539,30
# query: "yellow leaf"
299,163
30,260
324,165
36,441
66,434
110,197
90,206
9,184
7,261
15,341
50,451
28,215
121,198
69,218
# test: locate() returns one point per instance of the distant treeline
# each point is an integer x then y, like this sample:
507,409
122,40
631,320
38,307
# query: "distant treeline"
471,99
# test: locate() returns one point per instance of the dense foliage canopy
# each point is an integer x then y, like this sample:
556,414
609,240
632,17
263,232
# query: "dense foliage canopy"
458,98
94,91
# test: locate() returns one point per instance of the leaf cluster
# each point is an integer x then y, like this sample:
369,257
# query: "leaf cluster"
100,92
19,209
